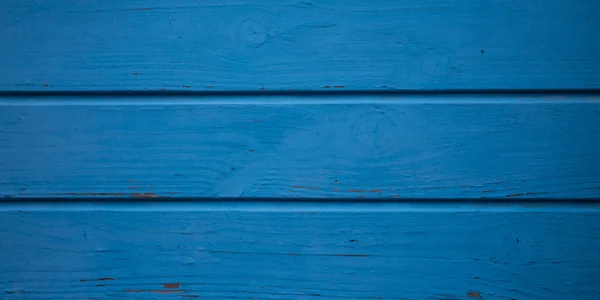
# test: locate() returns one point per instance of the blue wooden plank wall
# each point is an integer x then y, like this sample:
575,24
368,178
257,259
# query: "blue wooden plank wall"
299,44
335,146
262,149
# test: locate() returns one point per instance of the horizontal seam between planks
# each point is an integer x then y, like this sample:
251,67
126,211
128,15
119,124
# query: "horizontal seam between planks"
226,93
305,206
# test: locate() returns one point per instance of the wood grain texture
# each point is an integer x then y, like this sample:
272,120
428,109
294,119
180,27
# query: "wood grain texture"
387,146
300,45
300,254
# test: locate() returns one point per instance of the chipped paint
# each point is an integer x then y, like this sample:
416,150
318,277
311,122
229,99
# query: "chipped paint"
160,292
97,279
474,294
144,195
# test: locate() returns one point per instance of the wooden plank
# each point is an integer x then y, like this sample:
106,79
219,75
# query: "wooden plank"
386,146
499,254
300,45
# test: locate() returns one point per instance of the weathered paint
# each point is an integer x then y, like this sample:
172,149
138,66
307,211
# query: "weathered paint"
301,252
301,45
347,146
122,122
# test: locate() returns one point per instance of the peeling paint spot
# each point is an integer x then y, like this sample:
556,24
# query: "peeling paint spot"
144,195
136,74
186,86
44,85
366,191
307,188
325,26
327,86
474,294
339,86
175,285
160,292
90,194
98,279
209,86
515,195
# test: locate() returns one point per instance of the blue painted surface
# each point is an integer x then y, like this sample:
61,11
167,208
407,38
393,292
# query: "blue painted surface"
300,45
395,146
301,253
473,188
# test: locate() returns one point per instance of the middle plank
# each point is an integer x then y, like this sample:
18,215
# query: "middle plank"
329,146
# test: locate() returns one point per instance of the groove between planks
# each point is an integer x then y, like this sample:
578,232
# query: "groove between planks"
301,205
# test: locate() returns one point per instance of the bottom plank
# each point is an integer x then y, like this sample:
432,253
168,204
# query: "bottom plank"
295,254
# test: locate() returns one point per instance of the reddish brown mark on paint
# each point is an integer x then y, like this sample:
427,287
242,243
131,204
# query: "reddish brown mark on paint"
160,292
307,188
366,191
515,195
209,86
144,195
90,194
97,279
174,285
474,294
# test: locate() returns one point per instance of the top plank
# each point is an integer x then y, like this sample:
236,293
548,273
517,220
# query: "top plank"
253,45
